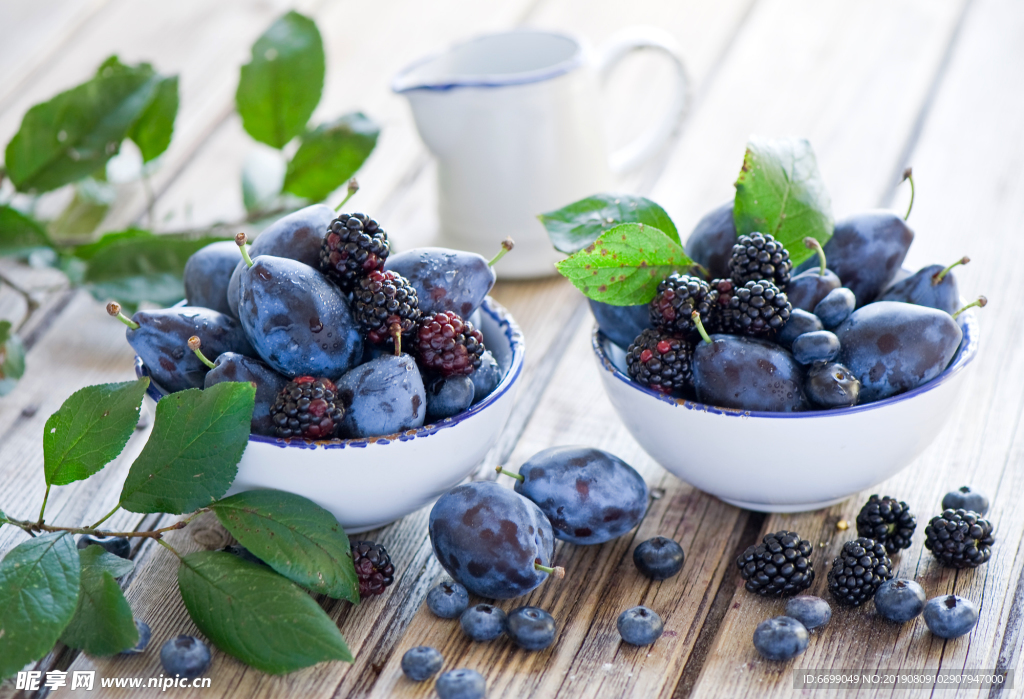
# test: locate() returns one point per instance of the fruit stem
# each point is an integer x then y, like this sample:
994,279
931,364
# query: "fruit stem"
939,276
517,476
240,242
194,344
700,326
114,309
816,246
908,174
557,571
506,245
42,510
396,334
353,187
106,516
980,303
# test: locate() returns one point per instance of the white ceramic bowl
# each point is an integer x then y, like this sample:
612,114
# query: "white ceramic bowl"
367,483
785,462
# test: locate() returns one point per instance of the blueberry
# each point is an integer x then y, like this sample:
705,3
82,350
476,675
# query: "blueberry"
813,612
710,243
819,346
243,553
144,635
117,545
806,289
231,366
485,377
448,600
835,307
491,539
483,622
832,386
207,273
933,286
747,374
530,628
449,396
800,322
461,684
186,656
589,495
899,599
780,638
621,324
445,280
383,396
659,558
950,616
964,498
421,662
640,626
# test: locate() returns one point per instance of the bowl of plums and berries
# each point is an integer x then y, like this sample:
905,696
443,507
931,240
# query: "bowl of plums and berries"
364,361
779,361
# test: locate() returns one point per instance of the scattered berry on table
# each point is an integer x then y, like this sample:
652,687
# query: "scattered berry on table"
959,539
117,545
640,626
447,344
660,362
678,296
759,256
530,628
813,612
899,600
950,616
145,633
779,566
758,308
658,558
386,306
308,408
354,246
965,498
861,567
373,568
835,307
186,656
483,622
461,684
448,600
781,638
421,662
888,521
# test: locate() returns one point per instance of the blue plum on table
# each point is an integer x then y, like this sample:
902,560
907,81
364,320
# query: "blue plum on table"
965,498
530,628
950,616
186,656
780,638
710,243
659,558
813,612
461,684
207,274
483,622
933,286
448,599
383,396
421,662
117,545
231,366
640,626
621,323
448,396
747,374
444,279
899,599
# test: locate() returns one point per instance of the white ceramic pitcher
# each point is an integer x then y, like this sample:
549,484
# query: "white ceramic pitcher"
515,122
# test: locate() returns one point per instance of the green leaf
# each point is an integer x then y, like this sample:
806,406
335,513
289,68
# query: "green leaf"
75,133
625,265
103,623
90,430
192,455
86,211
12,358
579,224
330,155
152,132
280,87
255,615
780,191
38,594
296,537
19,233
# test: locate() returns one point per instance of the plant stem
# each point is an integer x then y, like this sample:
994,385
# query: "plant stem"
31,303
353,187
194,344
517,476
93,531
169,548
557,571
980,303
240,242
506,245
700,326
107,516
816,246
908,174
939,276
114,309
42,510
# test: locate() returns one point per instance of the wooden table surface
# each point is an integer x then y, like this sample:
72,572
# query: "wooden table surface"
876,85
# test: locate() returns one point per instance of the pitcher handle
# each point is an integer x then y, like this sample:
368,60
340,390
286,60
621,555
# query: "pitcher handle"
647,145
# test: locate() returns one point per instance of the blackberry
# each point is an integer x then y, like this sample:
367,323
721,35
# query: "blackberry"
386,307
759,256
779,566
672,307
354,246
888,521
307,407
373,568
756,308
959,538
447,344
661,362
719,297
861,567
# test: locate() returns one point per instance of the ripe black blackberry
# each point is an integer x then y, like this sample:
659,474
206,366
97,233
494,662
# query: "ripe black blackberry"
660,362
959,538
861,567
759,256
888,521
719,297
386,306
354,246
756,308
672,307
307,407
447,344
373,568
779,566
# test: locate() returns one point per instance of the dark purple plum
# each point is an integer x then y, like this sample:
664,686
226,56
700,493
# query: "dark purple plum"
836,307
448,396
492,540
622,324
231,366
933,286
819,346
160,338
710,243
804,290
892,347
383,396
800,322
207,274
485,377
832,386
589,495
746,373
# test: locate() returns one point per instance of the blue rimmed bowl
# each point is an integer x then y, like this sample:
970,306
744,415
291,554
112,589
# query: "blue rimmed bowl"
367,483
785,462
